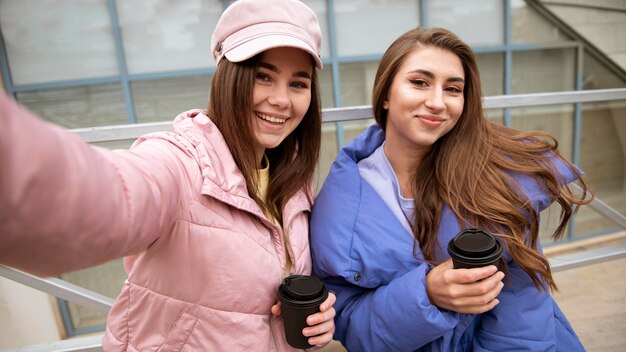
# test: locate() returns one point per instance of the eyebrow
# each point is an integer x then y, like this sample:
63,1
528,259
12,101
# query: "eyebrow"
432,76
273,68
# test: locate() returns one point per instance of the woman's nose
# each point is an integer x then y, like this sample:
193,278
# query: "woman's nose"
435,100
279,97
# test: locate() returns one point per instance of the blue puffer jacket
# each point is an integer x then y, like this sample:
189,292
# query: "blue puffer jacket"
365,255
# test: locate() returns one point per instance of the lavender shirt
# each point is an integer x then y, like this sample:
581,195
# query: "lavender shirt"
378,173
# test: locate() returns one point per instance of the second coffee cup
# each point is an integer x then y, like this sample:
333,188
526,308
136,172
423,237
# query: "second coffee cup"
472,248
301,296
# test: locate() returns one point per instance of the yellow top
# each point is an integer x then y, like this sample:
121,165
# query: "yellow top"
264,180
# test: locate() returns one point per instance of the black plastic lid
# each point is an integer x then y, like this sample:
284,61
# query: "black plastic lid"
302,287
475,247
474,243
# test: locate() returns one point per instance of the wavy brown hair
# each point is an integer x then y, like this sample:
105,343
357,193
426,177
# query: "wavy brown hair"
469,169
292,163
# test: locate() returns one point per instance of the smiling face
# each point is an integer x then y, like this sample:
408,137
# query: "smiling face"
425,100
282,95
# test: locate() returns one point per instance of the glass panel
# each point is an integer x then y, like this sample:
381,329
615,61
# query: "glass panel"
163,99
370,26
477,22
495,115
491,67
319,6
105,279
352,129
603,158
555,119
549,70
76,107
357,81
528,26
328,152
597,76
161,35
325,78
55,40
329,148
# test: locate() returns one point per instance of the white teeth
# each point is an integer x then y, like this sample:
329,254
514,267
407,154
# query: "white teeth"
270,118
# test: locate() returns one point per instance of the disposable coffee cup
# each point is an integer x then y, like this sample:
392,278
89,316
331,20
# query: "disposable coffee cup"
301,296
473,248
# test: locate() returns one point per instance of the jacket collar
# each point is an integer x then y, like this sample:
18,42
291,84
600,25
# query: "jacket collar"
222,179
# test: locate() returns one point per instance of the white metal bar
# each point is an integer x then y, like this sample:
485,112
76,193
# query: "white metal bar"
587,257
551,98
120,132
92,343
132,131
60,288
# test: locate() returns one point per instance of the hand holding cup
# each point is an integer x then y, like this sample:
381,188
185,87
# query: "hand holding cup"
301,297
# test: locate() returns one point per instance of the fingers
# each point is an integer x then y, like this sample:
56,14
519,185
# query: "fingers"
328,303
464,276
480,308
321,325
322,339
489,287
480,303
321,317
319,329
464,290
276,309
477,297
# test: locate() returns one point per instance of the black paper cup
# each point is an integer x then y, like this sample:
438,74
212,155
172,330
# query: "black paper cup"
473,248
301,296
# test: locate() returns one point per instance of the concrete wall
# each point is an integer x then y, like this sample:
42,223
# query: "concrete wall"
596,21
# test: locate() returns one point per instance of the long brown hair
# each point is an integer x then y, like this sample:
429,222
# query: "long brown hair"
292,163
469,169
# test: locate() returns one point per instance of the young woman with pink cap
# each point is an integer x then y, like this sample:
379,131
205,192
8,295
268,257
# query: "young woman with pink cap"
210,217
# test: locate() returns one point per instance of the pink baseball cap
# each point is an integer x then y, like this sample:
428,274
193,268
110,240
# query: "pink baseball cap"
248,27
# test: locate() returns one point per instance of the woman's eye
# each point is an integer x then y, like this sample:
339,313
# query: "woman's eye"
299,85
419,82
454,90
263,77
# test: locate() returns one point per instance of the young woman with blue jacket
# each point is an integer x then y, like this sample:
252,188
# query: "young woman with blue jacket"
431,166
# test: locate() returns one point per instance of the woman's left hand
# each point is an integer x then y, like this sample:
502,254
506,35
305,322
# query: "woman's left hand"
321,325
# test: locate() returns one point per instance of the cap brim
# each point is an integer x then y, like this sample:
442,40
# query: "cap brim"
257,45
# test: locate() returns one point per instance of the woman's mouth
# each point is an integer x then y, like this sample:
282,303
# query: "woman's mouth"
431,121
271,119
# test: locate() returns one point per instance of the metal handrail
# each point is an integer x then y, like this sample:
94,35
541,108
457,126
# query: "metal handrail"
587,257
60,288
84,297
362,112
91,343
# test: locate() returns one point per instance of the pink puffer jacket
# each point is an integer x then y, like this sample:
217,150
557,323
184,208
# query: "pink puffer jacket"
206,261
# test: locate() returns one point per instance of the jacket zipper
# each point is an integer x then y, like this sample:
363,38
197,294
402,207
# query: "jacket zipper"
280,269
282,274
